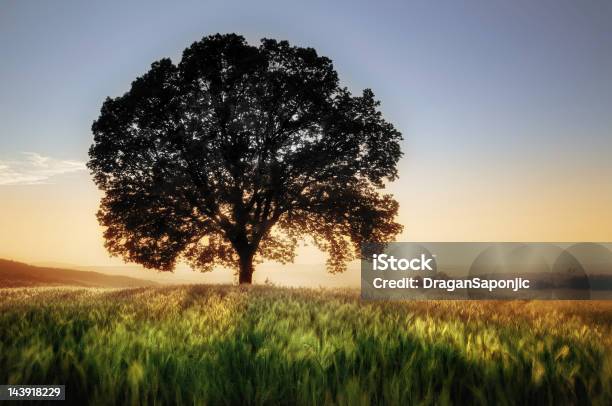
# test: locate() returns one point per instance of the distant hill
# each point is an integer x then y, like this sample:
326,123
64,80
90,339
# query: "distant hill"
17,274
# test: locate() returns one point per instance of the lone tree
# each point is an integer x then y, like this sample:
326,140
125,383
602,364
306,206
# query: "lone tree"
236,154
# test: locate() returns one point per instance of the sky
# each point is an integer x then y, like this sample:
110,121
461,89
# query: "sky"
505,108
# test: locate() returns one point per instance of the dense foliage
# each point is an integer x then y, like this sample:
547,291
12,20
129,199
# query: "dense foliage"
236,153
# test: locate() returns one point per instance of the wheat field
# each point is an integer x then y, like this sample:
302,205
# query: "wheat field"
267,345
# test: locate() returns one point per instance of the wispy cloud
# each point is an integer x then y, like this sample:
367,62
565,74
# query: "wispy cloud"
35,169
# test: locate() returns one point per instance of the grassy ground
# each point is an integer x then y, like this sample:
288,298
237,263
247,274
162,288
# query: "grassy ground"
261,345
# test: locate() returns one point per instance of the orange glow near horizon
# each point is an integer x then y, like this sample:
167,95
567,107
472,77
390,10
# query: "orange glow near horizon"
55,224
504,111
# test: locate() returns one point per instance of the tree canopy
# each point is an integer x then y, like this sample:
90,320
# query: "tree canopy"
236,154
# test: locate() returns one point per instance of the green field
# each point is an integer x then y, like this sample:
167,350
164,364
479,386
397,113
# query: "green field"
262,345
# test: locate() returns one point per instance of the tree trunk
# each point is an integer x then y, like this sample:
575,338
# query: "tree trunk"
245,275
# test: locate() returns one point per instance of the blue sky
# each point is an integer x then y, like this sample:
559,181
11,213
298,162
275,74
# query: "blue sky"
526,73
505,106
